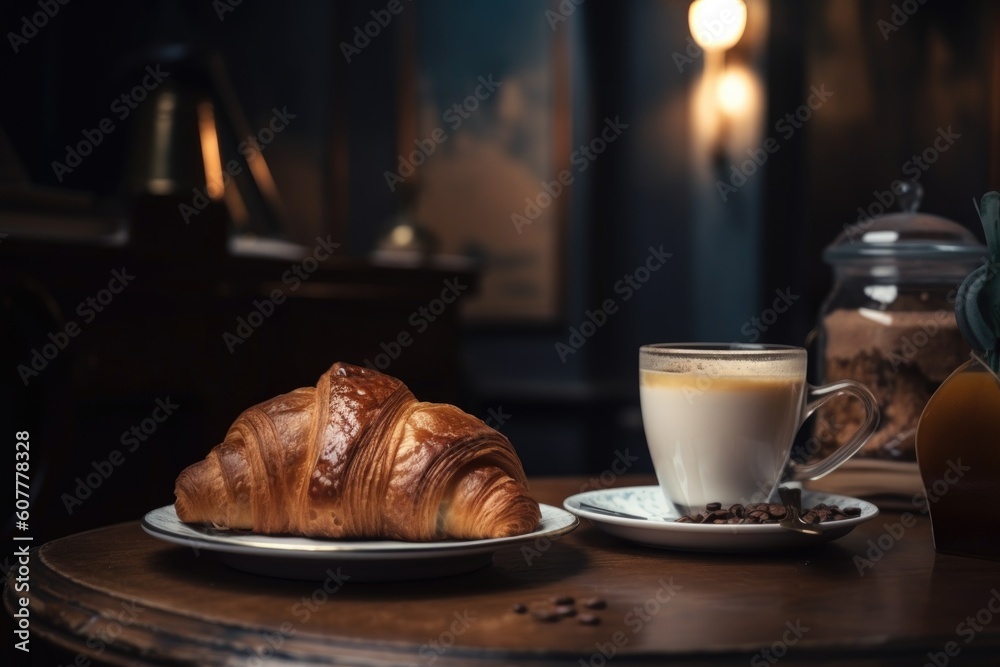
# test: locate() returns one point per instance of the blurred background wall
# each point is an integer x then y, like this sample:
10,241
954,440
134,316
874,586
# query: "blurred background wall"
426,139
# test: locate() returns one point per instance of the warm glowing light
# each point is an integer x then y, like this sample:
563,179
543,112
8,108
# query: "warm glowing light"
734,93
402,236
210,154
160,181
717,24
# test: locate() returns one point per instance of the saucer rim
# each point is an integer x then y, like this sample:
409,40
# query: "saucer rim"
868,512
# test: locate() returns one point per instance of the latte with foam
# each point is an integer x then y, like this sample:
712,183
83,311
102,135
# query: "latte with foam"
718,438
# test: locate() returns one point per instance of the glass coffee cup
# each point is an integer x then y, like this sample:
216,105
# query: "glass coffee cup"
720,420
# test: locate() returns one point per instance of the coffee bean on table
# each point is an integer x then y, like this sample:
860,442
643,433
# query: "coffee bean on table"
546,615
589,619
595,603
563,599
520,608
566,610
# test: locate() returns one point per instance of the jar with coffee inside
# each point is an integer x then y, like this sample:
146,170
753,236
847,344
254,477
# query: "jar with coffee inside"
889,321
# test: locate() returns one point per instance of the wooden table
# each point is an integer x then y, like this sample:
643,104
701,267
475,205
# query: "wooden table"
118,596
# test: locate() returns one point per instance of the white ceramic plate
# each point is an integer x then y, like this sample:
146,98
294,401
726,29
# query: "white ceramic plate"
360,560
655,522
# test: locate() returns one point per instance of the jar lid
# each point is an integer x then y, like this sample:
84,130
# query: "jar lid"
909,235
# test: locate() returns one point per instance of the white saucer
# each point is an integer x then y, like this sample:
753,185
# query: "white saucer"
293,557
655,522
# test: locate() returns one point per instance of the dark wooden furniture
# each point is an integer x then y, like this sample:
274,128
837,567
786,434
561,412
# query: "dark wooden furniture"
159,604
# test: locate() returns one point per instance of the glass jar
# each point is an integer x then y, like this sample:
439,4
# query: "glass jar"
889,321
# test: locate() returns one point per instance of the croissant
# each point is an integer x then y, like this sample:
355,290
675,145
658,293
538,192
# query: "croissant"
357,456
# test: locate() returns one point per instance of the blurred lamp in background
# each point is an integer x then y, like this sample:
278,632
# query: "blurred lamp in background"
726,93
717,25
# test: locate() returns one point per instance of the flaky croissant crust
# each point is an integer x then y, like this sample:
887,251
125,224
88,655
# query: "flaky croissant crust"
357,456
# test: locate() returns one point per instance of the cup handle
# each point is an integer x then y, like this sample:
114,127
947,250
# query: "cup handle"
817,396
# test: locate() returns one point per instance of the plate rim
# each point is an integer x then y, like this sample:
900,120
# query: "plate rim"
355,549
704,528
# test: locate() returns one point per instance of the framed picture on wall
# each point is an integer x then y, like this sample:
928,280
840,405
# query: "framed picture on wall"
484,133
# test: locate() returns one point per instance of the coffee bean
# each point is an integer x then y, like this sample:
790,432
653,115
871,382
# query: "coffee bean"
589,619
595,603
563,599
761,513
546,615
520,608
566,610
